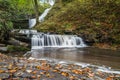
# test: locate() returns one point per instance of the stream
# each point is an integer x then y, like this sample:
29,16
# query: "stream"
95,56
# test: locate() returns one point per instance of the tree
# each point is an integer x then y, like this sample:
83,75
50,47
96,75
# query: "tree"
36,11
5,26
5,23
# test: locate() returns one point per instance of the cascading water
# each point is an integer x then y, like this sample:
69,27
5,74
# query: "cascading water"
27,32
41,18
47,40
40,40
32,22
51,2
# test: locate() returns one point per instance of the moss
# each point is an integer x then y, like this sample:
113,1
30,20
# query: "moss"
12,48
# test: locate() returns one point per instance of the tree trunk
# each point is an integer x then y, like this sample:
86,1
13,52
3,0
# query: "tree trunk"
36,11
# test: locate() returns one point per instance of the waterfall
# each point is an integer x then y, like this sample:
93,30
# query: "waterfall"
51,2
41,18
40,40
32,22
50,40
27,32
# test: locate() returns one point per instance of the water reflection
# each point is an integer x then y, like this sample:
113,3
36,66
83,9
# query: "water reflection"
87,55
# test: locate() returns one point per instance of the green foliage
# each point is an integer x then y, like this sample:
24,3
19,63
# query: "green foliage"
12,48
5,20
5,25
4,4
21,9
67,1
13,11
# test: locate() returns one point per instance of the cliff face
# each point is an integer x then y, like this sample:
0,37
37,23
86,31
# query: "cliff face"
96,22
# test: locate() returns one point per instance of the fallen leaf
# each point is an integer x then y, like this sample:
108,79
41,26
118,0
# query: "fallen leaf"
56,70
1,71
33,77
48,75
12,71
77,71
58,66
10,66
109,78
65,74
34,72
72,77
42,73
38,67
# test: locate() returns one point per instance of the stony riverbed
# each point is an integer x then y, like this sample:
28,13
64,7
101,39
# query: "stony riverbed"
20,68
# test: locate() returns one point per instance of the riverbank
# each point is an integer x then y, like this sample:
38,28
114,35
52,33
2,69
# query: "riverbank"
107,46
16,68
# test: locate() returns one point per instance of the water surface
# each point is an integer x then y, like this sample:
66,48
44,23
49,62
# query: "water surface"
94,56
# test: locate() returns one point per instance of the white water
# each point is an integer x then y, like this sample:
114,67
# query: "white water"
32,22
51,2
41,18
27,32
47,40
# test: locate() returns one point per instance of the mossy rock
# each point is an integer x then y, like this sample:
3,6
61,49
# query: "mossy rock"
12,48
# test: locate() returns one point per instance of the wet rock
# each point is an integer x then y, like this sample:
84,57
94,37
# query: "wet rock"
28,71
3,69
26,75
16,42
2,45
3,49
16,60
3,63
27,54
4,75
18,73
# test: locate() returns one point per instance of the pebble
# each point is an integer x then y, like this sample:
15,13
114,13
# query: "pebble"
26,75
24,69
4,75
18,73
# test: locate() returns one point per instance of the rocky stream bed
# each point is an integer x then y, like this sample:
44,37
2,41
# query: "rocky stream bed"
20,68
